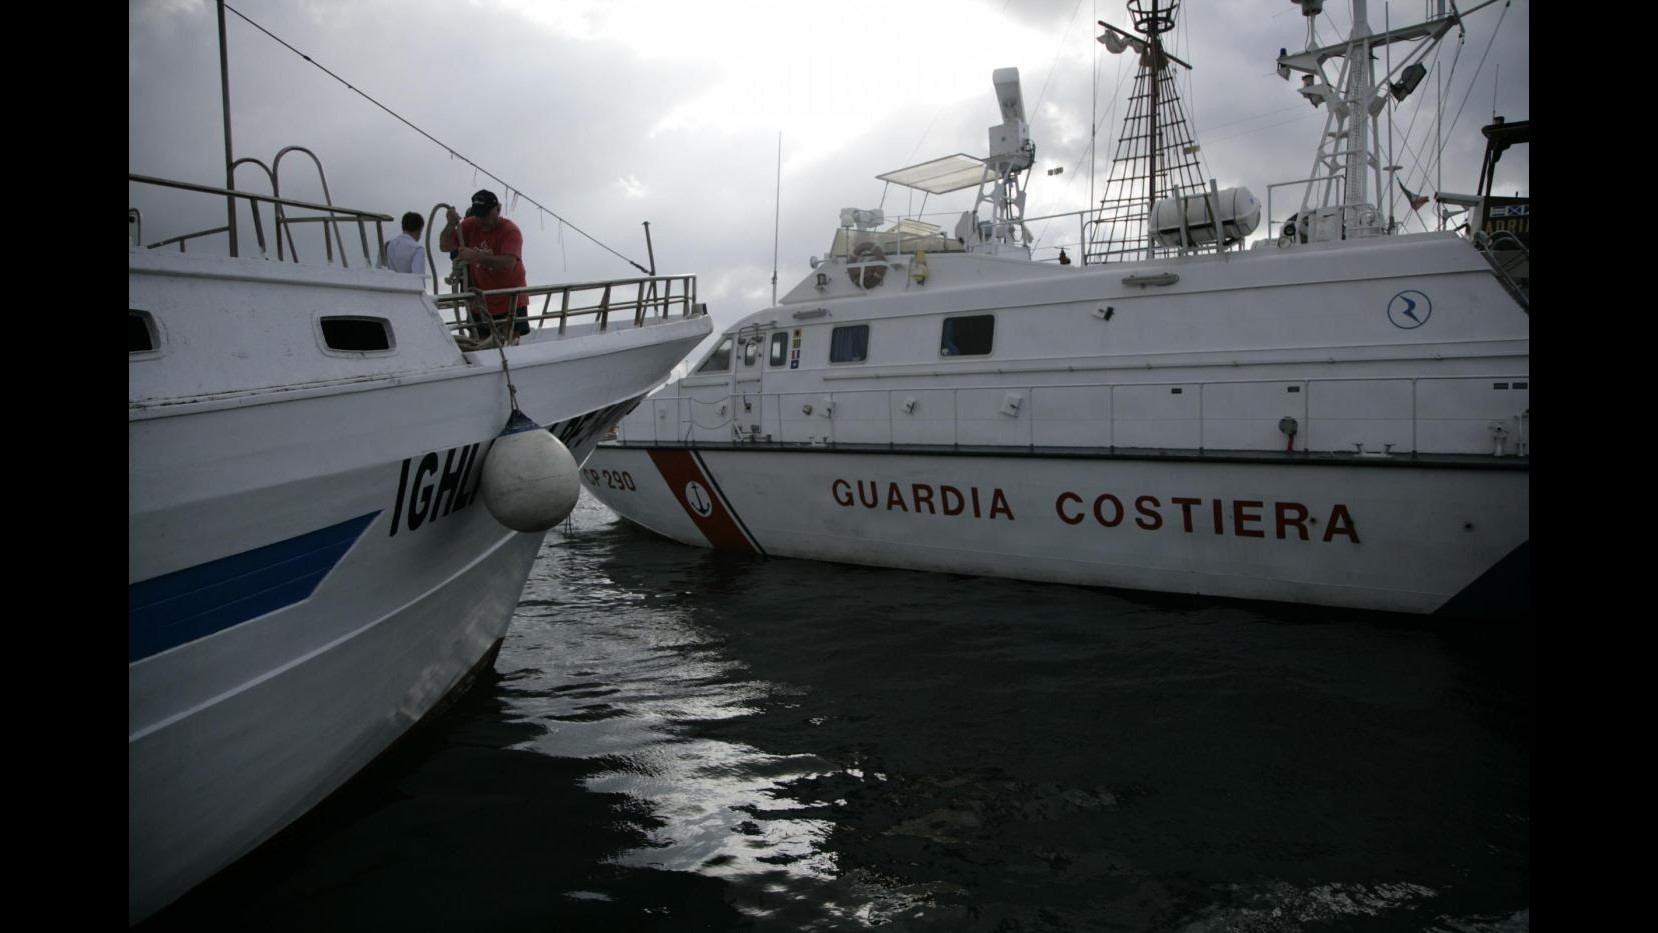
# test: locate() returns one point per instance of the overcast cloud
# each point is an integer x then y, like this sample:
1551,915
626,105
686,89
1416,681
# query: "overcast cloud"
668,111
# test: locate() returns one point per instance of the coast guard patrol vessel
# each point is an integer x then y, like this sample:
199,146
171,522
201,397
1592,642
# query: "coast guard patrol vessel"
1337,416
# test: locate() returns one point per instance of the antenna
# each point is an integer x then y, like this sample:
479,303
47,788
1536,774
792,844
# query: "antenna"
776,218
1496,77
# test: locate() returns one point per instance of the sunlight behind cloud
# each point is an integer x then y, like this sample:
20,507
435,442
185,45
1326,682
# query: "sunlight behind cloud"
821,77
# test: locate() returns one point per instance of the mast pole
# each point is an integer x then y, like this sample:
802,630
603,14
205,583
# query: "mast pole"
777,215
1360,81
1093,123
224,90
1392,172
1438,144
1151,140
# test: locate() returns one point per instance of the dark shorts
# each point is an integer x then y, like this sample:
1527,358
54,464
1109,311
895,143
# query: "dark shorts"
521,326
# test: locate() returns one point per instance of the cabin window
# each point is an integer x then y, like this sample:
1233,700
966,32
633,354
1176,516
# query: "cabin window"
751,351
967,336
720,360
849,344
779,349
141,336
356,334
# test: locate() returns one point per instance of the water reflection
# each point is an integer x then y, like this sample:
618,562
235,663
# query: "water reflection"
845,746
628,692
681,740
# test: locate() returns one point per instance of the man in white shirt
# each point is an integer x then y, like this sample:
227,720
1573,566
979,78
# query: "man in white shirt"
404,253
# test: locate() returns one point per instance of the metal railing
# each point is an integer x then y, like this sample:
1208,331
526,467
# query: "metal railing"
1490,245
332,214
642,298
1340,180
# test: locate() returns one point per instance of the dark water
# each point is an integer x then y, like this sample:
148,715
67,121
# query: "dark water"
681,740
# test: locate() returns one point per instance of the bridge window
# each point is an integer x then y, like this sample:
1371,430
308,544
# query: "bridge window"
751,351
720,360
779,349
849,344
967,336
356,334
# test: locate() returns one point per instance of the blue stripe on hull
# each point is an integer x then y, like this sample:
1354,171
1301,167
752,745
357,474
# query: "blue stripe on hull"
170,610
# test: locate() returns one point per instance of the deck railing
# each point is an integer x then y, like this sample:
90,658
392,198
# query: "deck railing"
1505,253
641,299
331,215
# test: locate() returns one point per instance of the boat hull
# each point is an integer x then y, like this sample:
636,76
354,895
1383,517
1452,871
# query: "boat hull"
311,567
208,786
1398,534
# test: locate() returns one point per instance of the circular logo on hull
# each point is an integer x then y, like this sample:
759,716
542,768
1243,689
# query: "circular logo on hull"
698,499
1409,309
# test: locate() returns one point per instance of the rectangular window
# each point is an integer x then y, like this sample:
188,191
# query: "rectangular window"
779,350
967,336
357,334
849,344
720,360
751,351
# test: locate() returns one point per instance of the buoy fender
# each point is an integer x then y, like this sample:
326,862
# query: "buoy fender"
530,479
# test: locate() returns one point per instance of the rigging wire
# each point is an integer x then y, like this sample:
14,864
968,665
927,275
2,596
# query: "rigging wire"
513,193
1109,117
1054,63
1481,66
1421,170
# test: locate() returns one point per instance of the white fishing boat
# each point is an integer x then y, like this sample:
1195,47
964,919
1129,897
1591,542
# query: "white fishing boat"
1338,415
317,460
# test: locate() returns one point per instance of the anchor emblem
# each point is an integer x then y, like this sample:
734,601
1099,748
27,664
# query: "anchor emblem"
698,499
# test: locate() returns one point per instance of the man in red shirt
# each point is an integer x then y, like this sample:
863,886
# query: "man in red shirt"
492,245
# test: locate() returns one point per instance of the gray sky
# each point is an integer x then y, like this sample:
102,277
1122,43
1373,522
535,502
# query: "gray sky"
668,111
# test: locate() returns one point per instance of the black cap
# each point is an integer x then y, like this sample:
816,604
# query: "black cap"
482,203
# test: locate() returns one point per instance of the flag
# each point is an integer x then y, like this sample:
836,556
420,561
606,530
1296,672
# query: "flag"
1416,200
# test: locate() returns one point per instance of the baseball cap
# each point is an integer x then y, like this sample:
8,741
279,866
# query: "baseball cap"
482,203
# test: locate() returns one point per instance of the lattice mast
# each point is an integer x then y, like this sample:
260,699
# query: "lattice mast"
1156,154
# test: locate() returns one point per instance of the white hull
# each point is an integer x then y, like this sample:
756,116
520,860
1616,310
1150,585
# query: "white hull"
311,567
1385,535
284,740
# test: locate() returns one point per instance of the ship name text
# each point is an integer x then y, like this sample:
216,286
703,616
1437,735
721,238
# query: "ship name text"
438,486
1241,518
922,498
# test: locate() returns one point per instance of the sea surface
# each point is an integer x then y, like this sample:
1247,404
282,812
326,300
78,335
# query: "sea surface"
674,739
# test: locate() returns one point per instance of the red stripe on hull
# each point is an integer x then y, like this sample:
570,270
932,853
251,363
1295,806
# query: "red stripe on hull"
695,492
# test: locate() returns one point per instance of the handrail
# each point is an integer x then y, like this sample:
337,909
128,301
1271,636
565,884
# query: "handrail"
276,166
361,217
1488,245
276,212
1306,196
426,247
643,306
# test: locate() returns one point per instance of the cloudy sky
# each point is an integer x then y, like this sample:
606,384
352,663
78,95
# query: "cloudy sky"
669,111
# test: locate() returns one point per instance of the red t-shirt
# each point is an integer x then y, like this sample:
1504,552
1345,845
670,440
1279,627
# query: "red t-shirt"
504,240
